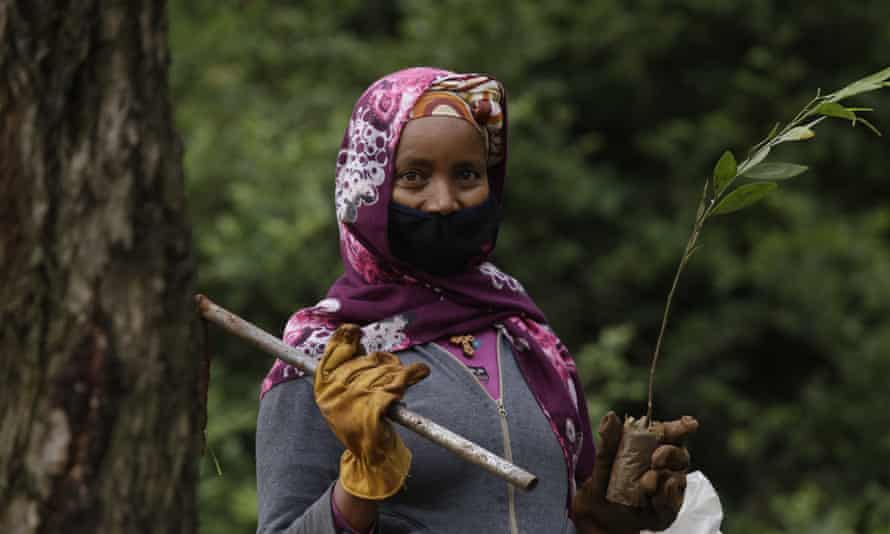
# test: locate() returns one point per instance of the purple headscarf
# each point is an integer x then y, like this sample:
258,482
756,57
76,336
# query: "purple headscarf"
398,307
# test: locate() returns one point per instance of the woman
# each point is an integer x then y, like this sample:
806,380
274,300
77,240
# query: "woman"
420,315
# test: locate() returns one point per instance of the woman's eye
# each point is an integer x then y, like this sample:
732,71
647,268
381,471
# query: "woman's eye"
468,174
410,179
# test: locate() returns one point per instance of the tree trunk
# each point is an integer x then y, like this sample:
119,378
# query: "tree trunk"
101,411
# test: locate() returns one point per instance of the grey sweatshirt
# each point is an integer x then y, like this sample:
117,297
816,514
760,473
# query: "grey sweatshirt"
298,458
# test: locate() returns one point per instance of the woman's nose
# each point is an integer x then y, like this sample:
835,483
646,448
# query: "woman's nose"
442,199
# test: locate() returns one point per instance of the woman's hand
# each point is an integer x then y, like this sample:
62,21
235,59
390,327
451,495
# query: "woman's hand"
664,483
353,391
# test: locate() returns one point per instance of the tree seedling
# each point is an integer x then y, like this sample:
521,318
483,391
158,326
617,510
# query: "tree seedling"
720,197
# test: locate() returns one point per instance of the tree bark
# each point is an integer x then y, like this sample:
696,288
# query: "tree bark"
101,405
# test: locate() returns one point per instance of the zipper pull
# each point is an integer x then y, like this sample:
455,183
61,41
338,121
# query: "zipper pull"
501,409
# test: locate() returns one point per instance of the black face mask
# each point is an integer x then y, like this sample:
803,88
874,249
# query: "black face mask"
443,244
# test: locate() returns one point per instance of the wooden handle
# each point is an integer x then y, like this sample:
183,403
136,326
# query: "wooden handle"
397,413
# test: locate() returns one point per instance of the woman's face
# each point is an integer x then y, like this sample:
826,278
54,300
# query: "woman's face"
440,166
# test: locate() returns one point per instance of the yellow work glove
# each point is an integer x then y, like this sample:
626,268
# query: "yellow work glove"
663,484
352,391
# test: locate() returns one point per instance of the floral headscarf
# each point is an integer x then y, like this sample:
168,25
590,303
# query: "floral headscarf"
399,308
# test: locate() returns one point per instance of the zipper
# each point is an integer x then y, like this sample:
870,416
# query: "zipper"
505,431
502,416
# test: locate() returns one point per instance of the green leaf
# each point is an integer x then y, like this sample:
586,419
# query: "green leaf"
774,131
868,124
724,171
798,133
865,85
833,109
755,159
881,76
744,196
775,171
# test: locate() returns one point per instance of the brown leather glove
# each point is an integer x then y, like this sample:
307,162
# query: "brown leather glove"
353,391
664,483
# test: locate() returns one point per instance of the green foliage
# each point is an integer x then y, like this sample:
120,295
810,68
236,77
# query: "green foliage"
743,197
775,171
870,83
780,330
724,172
833,109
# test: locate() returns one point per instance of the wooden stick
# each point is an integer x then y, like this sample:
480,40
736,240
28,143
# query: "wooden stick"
397,413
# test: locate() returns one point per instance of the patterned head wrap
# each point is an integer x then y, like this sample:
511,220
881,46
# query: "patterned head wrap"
397,307
476,100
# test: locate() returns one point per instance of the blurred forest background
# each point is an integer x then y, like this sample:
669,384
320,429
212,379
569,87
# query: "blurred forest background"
780,340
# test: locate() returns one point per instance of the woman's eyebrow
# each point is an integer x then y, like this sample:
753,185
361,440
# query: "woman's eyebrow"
413,161
463,164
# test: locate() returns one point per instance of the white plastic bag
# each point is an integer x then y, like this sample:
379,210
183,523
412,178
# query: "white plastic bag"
701,512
